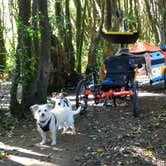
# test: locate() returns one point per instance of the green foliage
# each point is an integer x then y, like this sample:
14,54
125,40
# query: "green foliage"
84,56
2,27
98,53
28,68
18,23
50,101
29,30
33,63
129,16
55,71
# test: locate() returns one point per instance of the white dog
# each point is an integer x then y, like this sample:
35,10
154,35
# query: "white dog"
46,121
65,114
51,119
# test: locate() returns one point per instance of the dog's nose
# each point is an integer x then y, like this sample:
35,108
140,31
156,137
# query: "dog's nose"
59,104
42,114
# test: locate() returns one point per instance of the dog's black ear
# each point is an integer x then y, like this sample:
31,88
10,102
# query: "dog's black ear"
34,107
49,106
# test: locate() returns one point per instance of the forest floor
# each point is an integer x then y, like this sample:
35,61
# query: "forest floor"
105,137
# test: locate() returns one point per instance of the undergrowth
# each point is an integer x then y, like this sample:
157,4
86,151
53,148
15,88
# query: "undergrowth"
7,123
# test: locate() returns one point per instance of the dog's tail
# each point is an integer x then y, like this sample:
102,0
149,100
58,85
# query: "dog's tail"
77,111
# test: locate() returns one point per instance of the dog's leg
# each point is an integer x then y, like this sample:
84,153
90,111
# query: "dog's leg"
64,130
73,129
65,126
53,138
43,135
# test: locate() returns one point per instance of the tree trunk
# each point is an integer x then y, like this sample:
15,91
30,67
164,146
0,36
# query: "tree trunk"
34,94
57,70
152,21
78,33
108,14
60,20
68,44
22,55
3,51
136,8
62,50
94,36
161,6
45,56
32,70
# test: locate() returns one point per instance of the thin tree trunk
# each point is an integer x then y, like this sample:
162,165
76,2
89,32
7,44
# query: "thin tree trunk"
69,45
152,21
136,8
78,30
3,51
60,20
22,63
108,15
91,56
161,7
45,56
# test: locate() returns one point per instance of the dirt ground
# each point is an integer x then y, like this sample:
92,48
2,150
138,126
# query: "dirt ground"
105,137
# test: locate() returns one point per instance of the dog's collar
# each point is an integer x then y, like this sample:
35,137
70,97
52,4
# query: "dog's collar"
46,126
43,121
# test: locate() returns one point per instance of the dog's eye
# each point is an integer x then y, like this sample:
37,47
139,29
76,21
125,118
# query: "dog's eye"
59,104
45,110
39,111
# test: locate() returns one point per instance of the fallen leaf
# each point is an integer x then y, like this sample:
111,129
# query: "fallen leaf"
100,150
3,154
94,153
88,148
148,153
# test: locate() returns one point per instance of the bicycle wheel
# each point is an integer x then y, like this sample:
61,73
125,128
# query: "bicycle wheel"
135,100
81,98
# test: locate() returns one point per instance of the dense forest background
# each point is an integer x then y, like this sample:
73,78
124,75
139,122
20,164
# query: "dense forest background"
45,45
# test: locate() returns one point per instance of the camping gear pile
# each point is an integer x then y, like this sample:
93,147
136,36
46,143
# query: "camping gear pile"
155,59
